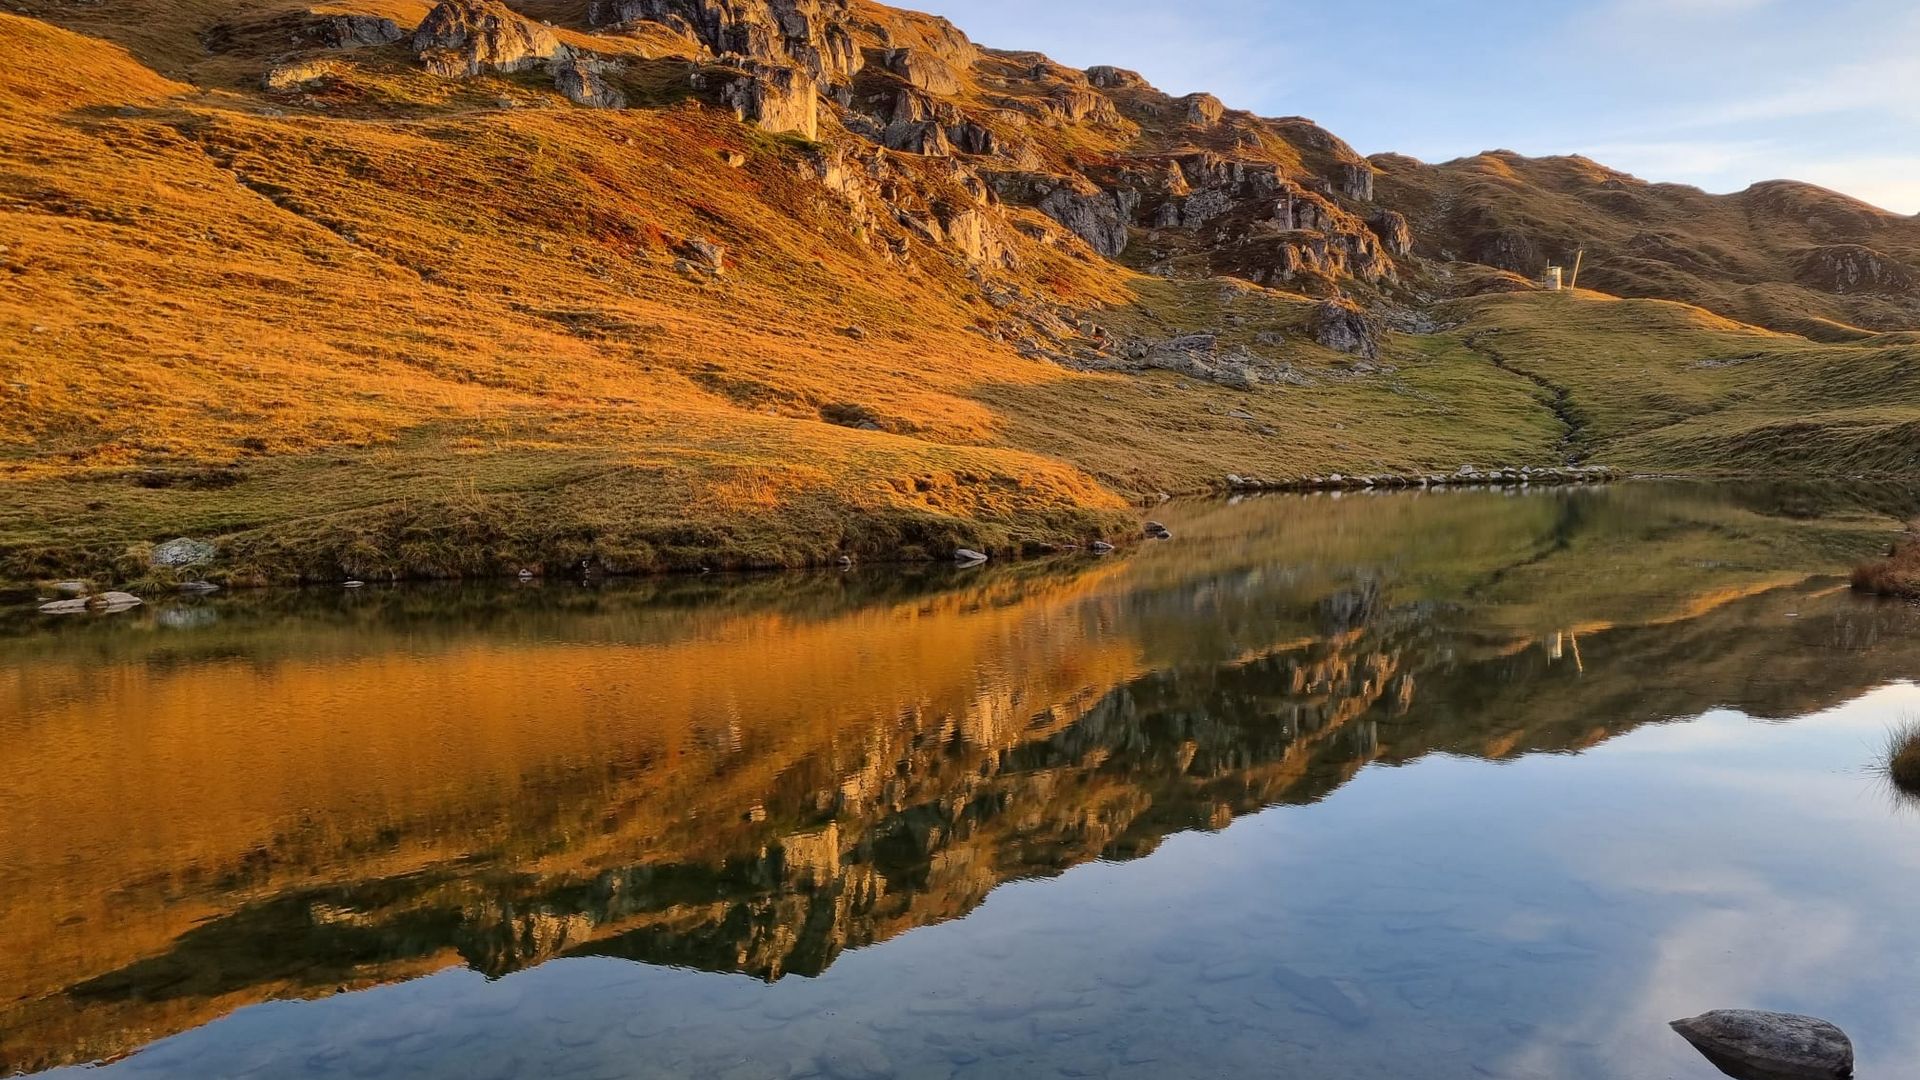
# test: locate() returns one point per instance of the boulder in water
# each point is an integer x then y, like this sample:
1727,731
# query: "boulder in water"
1754,1045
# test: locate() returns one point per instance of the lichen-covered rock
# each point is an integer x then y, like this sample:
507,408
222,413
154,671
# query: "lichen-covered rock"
1770,1046
583,80
181,553
461,38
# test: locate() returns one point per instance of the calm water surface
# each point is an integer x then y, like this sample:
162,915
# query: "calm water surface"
1466,785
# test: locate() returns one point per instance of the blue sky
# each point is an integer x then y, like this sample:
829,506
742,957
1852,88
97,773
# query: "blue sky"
1718,93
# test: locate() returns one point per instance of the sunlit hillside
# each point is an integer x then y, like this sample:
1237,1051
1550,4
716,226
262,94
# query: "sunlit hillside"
284,288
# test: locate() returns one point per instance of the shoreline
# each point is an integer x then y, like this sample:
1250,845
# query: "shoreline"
1080,532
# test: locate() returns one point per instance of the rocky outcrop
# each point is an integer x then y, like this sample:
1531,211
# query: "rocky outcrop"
924,70
924,137
1341,326
1112,78
704,257
1203,110
1354,179
583,80
461,38
1099,217
1392,229
1770,1046
810,35
1852,268
356,31
1072,105
768,96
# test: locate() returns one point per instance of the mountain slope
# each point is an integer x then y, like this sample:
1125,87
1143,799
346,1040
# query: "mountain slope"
1786,255
745,283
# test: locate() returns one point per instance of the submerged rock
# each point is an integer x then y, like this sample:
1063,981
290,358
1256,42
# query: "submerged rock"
1770,1046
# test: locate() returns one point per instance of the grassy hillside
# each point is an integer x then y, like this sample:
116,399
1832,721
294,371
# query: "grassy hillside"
1790,256
389,324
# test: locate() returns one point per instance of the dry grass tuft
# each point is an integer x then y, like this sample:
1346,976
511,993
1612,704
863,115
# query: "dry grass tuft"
1896,575
1901,761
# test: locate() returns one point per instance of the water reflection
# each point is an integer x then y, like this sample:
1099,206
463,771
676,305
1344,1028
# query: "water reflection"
228,801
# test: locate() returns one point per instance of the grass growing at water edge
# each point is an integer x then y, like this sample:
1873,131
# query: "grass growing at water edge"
1901,759
1896,575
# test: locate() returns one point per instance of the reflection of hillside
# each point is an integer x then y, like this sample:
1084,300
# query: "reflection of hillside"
756,787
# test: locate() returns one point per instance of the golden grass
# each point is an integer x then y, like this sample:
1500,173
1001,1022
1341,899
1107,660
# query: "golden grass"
389,327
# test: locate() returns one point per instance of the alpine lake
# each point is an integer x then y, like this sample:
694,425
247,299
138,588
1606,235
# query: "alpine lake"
1470,784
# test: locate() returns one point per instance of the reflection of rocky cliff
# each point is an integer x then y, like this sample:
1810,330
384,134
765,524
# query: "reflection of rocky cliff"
648,778
942,809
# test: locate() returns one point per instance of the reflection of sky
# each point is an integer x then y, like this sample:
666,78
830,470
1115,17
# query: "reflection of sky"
1454,918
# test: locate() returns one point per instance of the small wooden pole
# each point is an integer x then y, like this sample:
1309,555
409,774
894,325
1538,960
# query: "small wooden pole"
1578,258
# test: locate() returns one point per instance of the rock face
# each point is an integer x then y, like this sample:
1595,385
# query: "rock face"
582,80
1853,268
461,38
1099,217
1770,1046
1354,179
770,97
924,70
810,35
1392,229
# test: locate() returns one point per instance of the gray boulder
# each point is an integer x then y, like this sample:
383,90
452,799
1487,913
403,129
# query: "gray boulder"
1343,327
181,553
968,555
1770,1046
582,80
461,38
